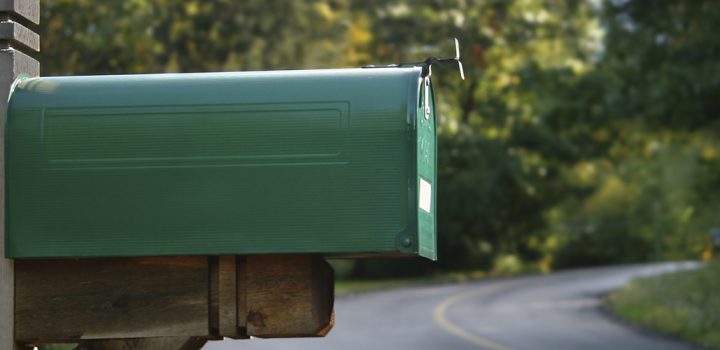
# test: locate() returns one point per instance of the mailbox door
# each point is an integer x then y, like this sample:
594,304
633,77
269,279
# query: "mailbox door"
426,172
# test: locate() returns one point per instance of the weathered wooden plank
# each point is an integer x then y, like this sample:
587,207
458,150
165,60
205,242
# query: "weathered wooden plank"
111,298
213,295
209,297
228,297
288,296
241,279
159,343
6,299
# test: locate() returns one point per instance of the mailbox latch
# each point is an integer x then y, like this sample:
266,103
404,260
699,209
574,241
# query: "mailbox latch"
427,72
427,63
426,82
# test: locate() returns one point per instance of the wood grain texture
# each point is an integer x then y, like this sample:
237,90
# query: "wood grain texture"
288,296
159,343
113,302
213,296
111,298
241,280
228,297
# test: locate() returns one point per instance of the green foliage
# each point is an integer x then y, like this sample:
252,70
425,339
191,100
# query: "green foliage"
482,192
654,117
682,303
585,134
139,36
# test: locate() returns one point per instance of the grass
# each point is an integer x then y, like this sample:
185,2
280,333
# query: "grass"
345,286
684,304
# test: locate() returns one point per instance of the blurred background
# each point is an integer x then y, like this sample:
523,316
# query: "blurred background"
585,133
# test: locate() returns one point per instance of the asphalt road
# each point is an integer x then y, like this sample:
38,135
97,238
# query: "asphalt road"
557,311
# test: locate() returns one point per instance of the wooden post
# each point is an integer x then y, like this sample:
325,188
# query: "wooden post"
288,297
228,295
16,43
171,302
158,343
109,298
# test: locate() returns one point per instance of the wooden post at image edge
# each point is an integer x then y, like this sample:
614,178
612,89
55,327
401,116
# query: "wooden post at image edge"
17,44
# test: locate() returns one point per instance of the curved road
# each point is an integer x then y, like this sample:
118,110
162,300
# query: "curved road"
557,311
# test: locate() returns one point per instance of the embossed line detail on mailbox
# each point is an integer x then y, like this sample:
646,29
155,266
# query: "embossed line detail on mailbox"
170,137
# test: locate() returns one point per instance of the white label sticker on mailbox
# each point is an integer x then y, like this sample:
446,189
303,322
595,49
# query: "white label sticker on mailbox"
425,195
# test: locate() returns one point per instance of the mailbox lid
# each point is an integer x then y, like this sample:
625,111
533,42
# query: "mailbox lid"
315,161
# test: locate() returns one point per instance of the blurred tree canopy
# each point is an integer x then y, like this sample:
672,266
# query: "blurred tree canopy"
585,134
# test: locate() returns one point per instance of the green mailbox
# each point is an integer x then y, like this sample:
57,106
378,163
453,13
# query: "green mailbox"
338,162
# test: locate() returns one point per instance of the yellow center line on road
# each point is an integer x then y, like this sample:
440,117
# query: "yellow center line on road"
440,318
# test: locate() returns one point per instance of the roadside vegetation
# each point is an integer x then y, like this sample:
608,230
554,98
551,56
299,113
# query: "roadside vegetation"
354,286
346,286
347,283
684,304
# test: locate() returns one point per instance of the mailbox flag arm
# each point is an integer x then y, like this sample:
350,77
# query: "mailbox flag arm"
427,63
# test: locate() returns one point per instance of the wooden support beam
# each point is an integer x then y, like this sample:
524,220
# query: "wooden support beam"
158,343
289,296
113,302
69,300
241,282
228,298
